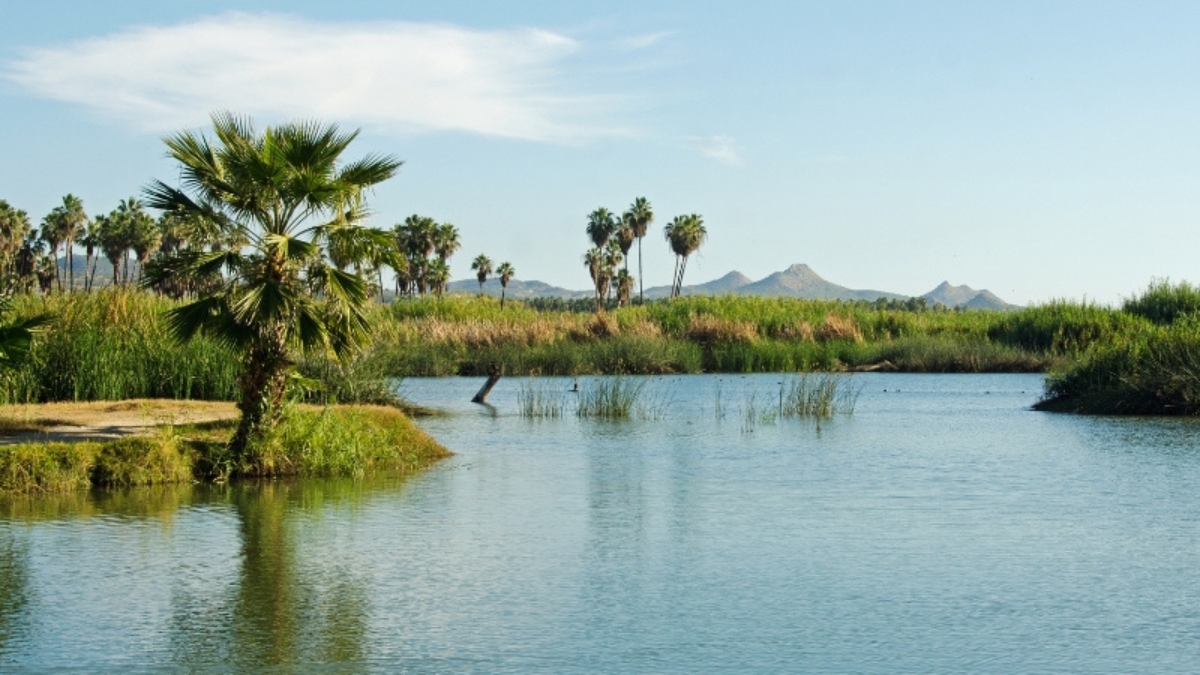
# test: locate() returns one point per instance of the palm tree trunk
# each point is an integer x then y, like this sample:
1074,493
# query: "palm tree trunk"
641,296
263,384
502,290
675,277
70,266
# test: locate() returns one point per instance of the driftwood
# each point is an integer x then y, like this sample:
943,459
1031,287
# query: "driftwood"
493,378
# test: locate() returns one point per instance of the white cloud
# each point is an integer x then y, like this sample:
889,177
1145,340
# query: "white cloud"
721,148
637,42
400,77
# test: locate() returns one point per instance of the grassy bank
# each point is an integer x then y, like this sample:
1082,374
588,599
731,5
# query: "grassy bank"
114,345
311,441
1151,369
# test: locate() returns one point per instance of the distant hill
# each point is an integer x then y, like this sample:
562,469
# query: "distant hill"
797,281
523,290
800,281
730,283
965,296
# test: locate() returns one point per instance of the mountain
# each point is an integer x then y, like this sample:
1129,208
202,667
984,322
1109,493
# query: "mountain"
797,281
516,289
800,281
730,283
965,296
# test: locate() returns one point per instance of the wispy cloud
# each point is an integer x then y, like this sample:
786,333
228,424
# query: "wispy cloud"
400,77
637,42
721,148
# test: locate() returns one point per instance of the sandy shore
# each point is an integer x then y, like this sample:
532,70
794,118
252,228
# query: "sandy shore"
103,419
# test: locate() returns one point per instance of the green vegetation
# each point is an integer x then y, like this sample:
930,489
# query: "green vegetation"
1150,367
820,395
283,195
337,440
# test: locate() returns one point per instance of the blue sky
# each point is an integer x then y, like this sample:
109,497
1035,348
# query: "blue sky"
1037,149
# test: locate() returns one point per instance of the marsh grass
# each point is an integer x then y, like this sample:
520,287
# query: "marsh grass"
614,397
541,399
820,395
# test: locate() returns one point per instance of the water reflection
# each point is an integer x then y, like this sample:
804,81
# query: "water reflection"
14,586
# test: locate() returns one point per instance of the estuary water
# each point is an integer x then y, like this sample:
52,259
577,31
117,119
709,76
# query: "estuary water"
943,527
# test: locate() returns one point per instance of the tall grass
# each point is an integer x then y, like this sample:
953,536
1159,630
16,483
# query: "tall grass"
1163,302
820,395
114,345
540,399
609,397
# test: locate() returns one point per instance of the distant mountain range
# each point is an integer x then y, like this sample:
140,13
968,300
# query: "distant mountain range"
797,281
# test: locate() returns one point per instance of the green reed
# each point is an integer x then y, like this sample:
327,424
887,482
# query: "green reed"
541,399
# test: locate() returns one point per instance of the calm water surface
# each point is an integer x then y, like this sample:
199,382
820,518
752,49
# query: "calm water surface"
942,528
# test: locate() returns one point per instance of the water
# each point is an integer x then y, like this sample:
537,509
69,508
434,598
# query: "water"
943,527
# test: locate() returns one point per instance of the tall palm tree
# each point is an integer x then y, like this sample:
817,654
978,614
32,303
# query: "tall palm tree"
483,267
446,241
685,234
593,260
90,241
14,228
602,224
439,276
624,287
639,216
506,273
74,220
52,234
282,191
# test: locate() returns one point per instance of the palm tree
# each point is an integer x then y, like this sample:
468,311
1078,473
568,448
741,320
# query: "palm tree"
639,216
612,260
14,228
282,191
593,260
90,242
601,225
624,287
483,267
446,241
439,276
506,273
52,234
685,234
110,237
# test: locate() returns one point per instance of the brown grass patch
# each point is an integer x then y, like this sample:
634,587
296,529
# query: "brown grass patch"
710,329
839,328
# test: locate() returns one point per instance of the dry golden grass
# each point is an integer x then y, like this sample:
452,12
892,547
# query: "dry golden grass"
54,421
839,328
709,329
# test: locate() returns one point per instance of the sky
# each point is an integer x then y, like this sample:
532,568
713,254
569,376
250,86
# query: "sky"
1040,150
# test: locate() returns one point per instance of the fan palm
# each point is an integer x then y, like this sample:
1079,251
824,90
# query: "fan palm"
483,267
685,234
602,224
506,273
283,192
639,216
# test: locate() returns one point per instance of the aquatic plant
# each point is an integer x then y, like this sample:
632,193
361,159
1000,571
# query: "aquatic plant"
541,399
820,395
609,397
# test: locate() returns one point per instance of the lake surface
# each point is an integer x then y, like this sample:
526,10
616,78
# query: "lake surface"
942,528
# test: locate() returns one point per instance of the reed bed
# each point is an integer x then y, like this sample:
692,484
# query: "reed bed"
820,395
540,399
609,397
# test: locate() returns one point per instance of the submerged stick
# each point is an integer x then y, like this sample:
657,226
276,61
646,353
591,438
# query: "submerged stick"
493,378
